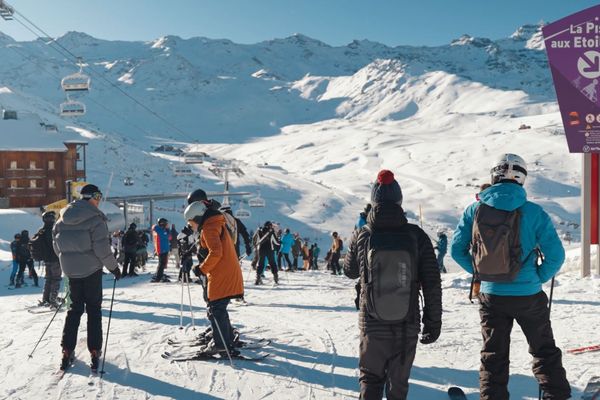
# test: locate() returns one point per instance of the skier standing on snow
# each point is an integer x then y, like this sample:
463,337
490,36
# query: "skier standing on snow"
287,241
315,260
160,235
81,242
336,249
296,249
43,250
187,248
442,248
25,260
130,245
266,247
221,267
389,249
511,287
15,262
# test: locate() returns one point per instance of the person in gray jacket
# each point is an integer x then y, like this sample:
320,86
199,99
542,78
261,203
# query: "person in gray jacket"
81,241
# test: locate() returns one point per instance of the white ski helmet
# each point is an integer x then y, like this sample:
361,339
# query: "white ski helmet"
195,209
509,166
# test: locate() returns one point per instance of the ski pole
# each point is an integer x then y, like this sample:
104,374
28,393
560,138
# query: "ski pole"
549,309
222,339
45,330
112,299
190,298
181,303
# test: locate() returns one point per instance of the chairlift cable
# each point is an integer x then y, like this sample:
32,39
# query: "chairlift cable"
128,120
54,41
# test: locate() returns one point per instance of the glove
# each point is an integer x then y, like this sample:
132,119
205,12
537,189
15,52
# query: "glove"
430,334
248,250
117,273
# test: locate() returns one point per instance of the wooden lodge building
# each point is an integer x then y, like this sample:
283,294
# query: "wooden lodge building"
32,176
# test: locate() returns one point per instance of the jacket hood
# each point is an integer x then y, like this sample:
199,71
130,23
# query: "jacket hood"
504,196
80,211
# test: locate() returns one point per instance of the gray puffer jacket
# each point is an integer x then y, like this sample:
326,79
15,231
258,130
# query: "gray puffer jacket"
81,240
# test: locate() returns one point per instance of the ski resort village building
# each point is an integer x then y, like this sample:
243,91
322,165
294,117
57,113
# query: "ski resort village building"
35,163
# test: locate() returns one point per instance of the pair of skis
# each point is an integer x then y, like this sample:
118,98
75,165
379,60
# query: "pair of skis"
193,355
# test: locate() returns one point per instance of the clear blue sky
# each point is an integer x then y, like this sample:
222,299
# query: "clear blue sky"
337,22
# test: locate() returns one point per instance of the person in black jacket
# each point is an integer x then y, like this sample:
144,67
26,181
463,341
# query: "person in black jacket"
130,246
51,263
266,242
387,349
25,261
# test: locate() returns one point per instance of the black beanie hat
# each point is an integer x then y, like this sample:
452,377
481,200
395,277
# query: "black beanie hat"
88,191
386,189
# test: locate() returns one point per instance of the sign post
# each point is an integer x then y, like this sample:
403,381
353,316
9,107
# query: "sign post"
573,49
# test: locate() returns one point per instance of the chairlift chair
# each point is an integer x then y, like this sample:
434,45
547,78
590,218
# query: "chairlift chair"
257,201
77,82
242,213
72,108
128,181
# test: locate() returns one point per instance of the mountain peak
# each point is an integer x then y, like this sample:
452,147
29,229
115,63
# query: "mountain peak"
531,35
468,40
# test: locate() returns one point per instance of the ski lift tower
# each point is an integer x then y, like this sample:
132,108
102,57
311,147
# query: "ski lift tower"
6,11
222,171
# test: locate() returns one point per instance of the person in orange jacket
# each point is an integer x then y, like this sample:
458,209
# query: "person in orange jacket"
222,270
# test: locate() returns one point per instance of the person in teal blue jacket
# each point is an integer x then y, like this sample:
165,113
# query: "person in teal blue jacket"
521,299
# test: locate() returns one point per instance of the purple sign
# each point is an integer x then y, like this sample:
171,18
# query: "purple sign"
573,49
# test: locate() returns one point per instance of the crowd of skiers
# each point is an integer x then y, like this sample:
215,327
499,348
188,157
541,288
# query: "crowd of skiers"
506,242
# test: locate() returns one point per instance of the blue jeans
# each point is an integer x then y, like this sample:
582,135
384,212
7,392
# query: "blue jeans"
219,320
15,269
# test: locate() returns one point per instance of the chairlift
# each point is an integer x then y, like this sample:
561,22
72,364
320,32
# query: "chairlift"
257,201
242,213
182,170
128,181
77,82
72,108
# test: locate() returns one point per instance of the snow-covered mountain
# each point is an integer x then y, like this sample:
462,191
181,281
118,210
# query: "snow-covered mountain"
316,120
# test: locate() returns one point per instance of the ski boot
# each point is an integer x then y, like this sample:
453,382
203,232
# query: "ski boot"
95,360
67,359
258,281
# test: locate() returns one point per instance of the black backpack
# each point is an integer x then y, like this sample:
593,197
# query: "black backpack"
38,246
391,275
496,244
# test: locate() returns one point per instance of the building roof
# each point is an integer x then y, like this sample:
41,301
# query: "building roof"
27,134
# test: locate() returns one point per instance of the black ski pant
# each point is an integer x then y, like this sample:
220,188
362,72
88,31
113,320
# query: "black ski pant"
532,314
385,362
27,264
270,256
186,267
163,259
86,293
219,321
52,283
295,264
129,263
286,257
335,263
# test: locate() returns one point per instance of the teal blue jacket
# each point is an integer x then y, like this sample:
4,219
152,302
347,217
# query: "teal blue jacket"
537,230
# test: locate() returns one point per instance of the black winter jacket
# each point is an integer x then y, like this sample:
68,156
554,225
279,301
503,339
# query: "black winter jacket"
391,217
